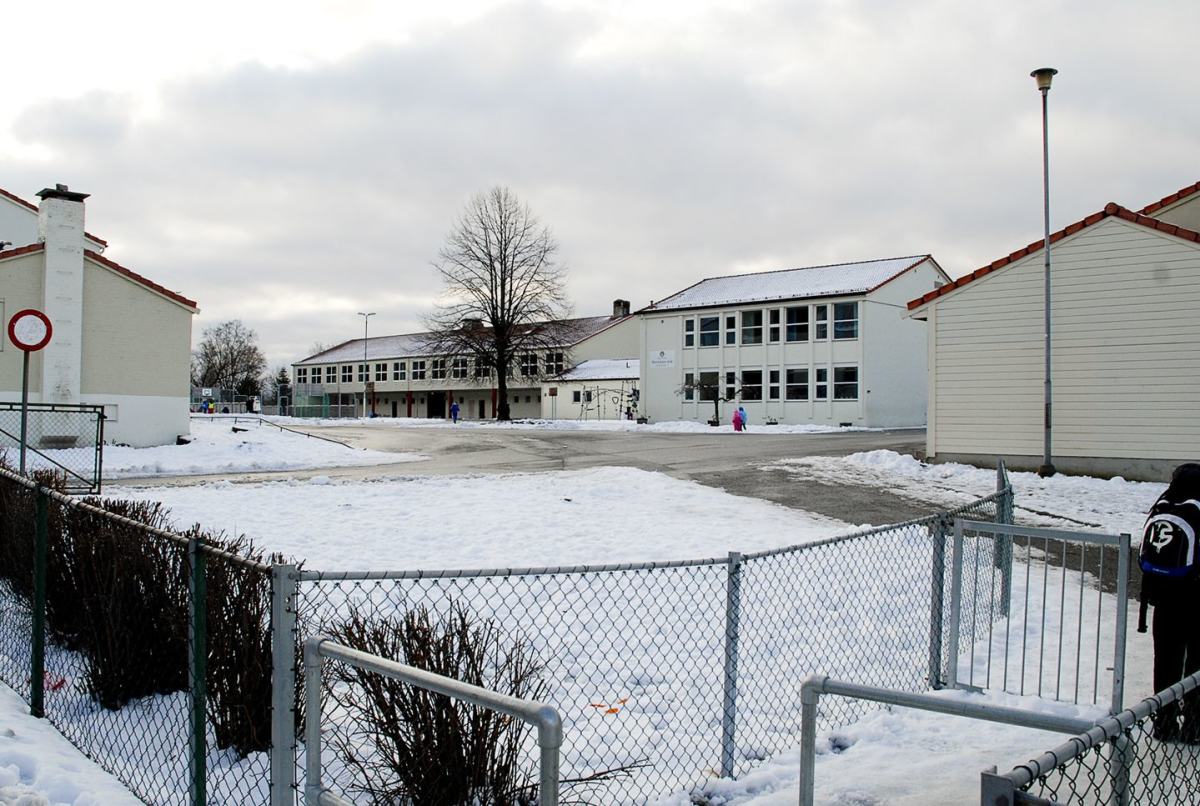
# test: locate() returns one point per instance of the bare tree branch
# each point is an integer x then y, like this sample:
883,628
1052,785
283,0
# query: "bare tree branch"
504,293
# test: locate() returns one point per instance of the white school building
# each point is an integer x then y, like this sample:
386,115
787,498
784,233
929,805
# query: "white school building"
824,344
1125,368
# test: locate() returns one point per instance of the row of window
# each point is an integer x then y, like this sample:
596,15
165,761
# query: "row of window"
795,383
436,369
798,323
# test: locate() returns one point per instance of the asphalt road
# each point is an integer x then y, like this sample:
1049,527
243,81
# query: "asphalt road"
727,461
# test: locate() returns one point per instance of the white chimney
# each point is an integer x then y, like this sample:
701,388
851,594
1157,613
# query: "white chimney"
620,308
60,228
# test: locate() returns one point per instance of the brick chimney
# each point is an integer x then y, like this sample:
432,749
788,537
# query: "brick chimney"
620,308
60,228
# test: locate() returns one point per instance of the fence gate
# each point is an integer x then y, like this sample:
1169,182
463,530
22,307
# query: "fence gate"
65,438
1011,584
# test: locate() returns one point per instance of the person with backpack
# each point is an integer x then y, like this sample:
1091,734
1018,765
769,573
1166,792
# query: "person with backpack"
737,420
1171,584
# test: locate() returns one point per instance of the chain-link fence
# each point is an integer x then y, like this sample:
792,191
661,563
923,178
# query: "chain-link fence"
666,674
66,439
148,650
1147,755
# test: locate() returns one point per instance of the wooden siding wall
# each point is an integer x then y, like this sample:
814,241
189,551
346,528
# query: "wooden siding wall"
1126,352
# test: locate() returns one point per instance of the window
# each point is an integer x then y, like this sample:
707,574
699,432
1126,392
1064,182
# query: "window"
418,370
730,385
845,383
752,328
731,330
822,322
398,372
689,332
773,387
845,321
302,374
381,372
347,373
554,363
330,374
529,364
437,369
587,396
708,385
822,390
797,384
482,366
458,367
710,331
752,384
362,373
773,331
689,386
576,396
797,323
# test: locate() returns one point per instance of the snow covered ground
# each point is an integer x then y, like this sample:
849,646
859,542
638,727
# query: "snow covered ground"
666,427
602,515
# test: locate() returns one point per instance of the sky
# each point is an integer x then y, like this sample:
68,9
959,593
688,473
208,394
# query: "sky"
290,164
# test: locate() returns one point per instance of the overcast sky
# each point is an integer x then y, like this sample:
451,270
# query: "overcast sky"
291,163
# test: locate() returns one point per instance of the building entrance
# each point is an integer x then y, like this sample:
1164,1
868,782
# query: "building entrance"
437,405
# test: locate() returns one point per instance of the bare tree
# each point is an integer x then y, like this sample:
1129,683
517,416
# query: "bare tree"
504,294
229,357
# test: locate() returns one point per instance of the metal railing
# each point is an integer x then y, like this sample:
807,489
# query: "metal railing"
541,716
816,685
65,438
1014,655
1133,757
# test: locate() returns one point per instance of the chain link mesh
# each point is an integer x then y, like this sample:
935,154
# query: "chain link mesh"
67,439
1148,755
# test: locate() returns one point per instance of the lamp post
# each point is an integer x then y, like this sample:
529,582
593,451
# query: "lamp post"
366,367
1043,76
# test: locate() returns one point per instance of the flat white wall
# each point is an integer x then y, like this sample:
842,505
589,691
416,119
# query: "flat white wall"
1126,373
609,397
1184,214
618,341
142,420
889,353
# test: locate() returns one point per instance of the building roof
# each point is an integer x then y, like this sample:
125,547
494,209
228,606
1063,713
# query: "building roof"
1167,201
813,281
30,205
417,344
110,264
604,369
1111,210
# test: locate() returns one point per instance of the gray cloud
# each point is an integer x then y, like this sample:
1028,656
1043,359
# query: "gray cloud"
802,133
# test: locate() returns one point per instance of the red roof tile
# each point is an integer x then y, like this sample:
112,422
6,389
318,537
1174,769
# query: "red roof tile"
1169,200
5,254
1110,210
33,207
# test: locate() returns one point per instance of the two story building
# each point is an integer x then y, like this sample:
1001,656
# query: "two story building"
403,377
823,344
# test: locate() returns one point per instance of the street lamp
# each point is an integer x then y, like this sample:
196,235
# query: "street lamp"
1043,76
366,367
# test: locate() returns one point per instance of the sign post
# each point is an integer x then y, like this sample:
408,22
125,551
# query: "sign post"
30,331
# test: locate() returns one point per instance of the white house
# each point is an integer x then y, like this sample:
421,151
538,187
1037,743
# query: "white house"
119,340
594,389
403,377
1125,288
824,344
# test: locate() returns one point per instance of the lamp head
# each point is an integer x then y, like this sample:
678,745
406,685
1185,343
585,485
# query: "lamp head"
1043,76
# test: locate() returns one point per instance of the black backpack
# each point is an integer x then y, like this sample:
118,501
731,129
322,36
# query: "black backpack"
1169,556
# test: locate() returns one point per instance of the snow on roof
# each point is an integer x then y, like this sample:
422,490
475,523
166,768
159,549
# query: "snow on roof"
603,369
416,344
813,281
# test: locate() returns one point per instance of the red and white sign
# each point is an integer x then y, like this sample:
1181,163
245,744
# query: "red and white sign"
29,330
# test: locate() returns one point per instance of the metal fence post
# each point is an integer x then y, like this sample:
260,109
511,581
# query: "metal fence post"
197,669
733,606
283,684
956,567
1118,677
37,672
1121,763
1003,551
936,596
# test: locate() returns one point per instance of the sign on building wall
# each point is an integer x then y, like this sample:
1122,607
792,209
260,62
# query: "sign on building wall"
662,359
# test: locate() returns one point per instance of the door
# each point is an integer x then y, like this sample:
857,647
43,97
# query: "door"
482,410
395,403
436,408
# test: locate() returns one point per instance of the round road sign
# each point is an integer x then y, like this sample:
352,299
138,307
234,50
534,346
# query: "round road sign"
29,330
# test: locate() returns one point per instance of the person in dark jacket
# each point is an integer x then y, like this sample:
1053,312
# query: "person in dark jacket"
1176,628
454,412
